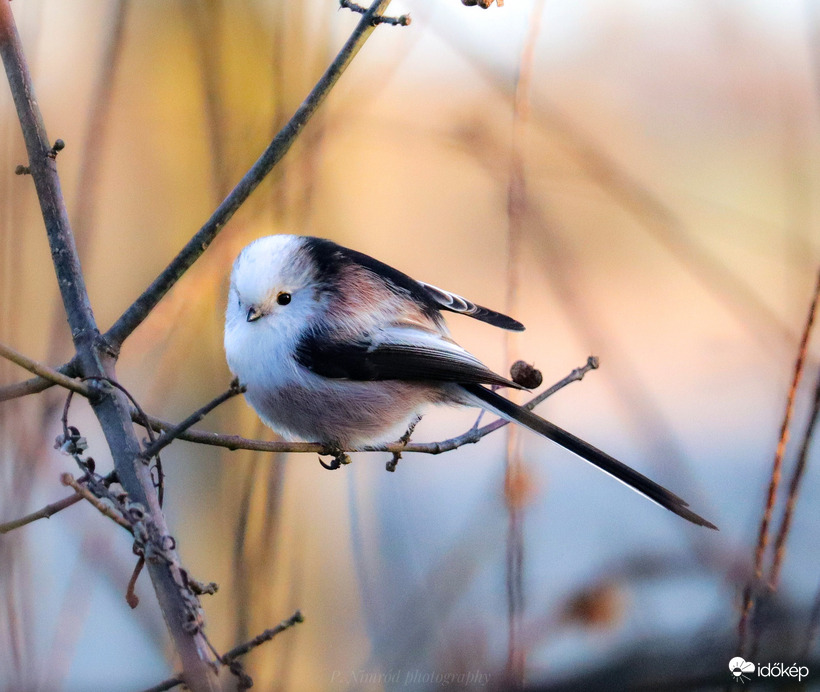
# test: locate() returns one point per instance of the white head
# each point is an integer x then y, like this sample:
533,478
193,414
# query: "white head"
273,299
273,280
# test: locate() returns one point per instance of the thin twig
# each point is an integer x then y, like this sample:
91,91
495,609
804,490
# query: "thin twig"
266,636
234,442
43,513
774,481
237,651
44,371
516,212
280,145
168,684
170,435
69,480
794,490
401,20
142,419
33,385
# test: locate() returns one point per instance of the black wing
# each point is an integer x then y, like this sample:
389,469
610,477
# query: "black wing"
396,353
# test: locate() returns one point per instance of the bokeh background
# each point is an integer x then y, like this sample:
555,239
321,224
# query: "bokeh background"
650,197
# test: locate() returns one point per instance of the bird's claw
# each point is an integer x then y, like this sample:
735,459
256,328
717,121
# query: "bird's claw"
340,458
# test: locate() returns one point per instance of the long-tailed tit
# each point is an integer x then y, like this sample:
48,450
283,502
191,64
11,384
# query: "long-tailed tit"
339,348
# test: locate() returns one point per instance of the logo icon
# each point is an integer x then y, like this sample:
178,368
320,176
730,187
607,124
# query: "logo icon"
740,668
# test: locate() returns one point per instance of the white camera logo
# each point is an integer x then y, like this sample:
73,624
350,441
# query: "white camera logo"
739,668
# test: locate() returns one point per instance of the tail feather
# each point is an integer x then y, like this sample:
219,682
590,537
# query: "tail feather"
629,476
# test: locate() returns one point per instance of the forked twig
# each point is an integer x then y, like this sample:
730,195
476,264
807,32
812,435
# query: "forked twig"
43,513
237,651
173,433
44,371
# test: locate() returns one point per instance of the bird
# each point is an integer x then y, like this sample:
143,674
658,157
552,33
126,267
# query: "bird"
336,347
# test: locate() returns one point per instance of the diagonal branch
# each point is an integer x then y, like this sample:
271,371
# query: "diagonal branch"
238,651
173,433
794,490
85,494
42,513
44,371
280,145
33,385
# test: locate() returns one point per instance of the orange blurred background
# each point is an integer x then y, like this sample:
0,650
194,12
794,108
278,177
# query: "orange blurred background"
667,224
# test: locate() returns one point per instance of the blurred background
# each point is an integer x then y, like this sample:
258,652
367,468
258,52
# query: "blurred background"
632,180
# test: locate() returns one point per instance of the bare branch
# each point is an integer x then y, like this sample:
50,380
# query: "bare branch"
774,481
517,195
45,372
266,636
168,684
84,493
238,651
234,442
170,435
43,168
21,389
280,145
794,490
401,20
94,358
44,513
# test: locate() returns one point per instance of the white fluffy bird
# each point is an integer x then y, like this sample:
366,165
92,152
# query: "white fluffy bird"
338,348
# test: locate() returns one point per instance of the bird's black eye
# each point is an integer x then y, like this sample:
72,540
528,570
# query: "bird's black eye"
283,298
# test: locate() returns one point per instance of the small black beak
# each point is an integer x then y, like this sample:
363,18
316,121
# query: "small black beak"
254,314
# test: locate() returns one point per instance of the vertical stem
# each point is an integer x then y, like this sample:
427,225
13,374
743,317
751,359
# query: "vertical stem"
515,471
754,583
95,359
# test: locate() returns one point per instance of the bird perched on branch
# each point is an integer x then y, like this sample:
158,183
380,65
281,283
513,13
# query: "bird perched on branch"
339,348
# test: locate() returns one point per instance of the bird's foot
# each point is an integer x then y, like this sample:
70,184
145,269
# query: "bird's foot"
340,458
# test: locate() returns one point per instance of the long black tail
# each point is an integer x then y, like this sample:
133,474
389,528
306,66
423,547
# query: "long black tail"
637,481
